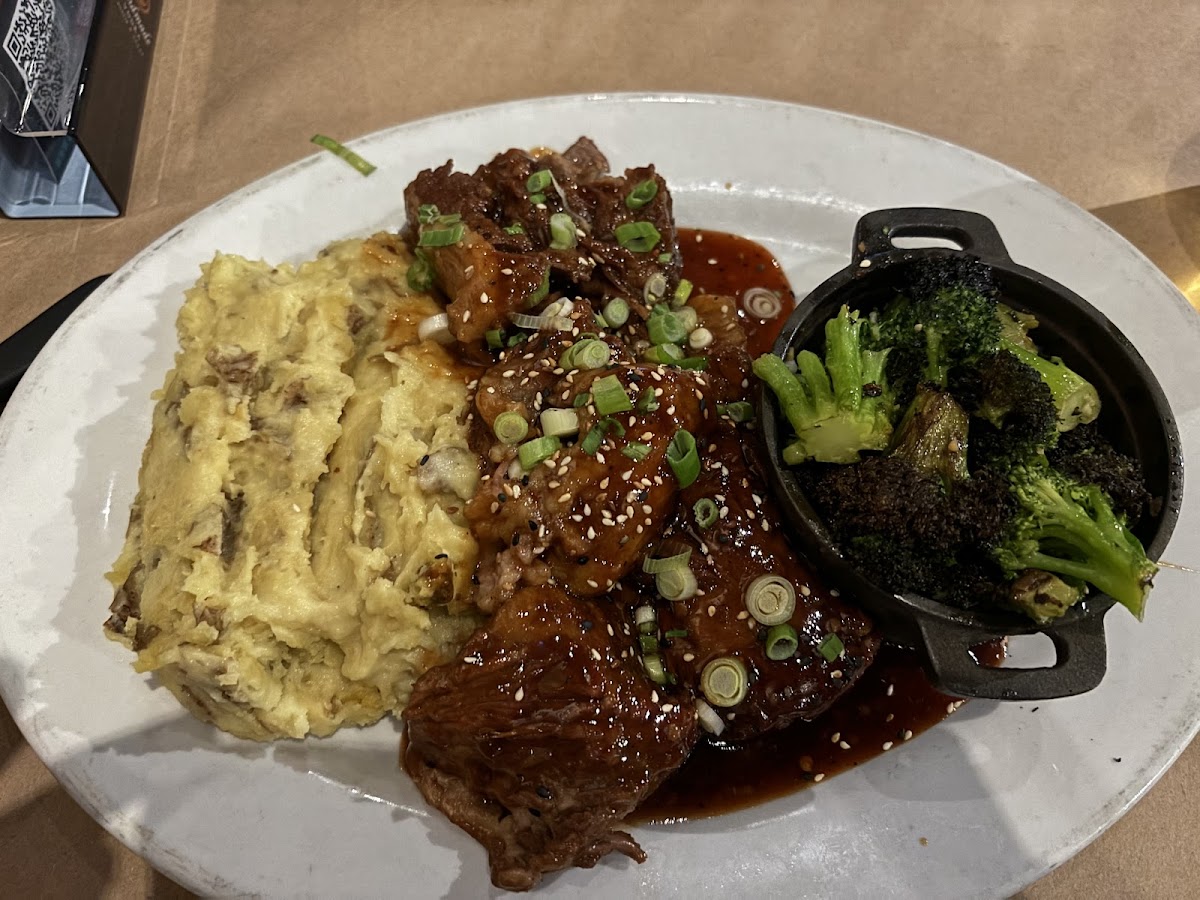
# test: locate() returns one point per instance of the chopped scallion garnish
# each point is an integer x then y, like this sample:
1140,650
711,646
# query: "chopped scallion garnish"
640,237
510,427
543,290
706,513
692,362
516,339
663,354
539,181
665,258
653,665
636,451
562,231
665,328
559,422
587,354
723,681
682,292
652,565
676,633
537,198
343,152
647,400
594,438
581,400
538,450
683,457
831,647
770,599
616,312
609,396
782,642
514,228
420,274
648,643
642,193
676,584
495,339
427,212
441,237
738,410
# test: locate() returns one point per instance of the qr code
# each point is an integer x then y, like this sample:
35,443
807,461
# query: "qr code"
28,38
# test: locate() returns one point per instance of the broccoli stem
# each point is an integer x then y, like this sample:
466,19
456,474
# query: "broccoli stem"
1075,397
838,406
1071,530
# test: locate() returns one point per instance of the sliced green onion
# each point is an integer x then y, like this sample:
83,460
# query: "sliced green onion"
666,329
538,450
666,258
762,303
709,718
541,323
343,152
587,354
495,339
635,451
676,633
652,566
738,410
782,642
594,438
516,339
654,288
642,193
700,337
682,292
771,599
514,228
683,457
427,212
543,290
676,584
539,181
559,422
644,614
420,275
441,237
562,231
581,400
687,315
723,681
537,198
647,400
831,647
653,665
616,312
663,354
640,237
510,427
611,424
648,643
435,328
609,396
706,513
692,362
448,219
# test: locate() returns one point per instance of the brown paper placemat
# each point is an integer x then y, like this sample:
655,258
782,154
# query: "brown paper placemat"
1094,99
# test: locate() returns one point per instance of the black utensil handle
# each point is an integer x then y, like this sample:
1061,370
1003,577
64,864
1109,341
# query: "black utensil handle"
971,231
1079,667
18,352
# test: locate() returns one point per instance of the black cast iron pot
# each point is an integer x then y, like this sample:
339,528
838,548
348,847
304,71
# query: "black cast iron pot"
1135,417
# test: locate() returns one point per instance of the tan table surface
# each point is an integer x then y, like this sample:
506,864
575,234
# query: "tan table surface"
1096,98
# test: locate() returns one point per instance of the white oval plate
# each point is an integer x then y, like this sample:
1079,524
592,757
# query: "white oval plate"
999,795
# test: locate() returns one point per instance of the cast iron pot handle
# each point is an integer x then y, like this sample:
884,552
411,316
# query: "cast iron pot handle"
1079,667
971,231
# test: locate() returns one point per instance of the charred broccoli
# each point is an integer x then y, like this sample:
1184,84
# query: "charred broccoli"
1070,529
838,407
1084,455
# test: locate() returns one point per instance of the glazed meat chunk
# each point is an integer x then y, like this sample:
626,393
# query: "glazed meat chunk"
583,517
544,734
744,543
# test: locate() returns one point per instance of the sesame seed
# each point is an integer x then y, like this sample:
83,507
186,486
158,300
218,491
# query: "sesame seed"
836,673
712,261
805,590
834,592
575,517
891,689
519,695
495,506
688,657
564,497
837,736
471,660
603,483
599,457
506,271
587,509
865,264
818,777
553,484
467,316
908,735
743,615
509,373
611,633
843,745
712,611
887,745
591,533
596,654
890,716
671,410
653,696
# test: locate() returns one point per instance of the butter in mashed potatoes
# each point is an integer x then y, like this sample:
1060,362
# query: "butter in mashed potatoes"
297,554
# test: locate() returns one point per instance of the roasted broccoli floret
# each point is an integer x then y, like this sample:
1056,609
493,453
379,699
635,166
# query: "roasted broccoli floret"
945,317
1069,528
1084,455
837,407
1015,415
1075,398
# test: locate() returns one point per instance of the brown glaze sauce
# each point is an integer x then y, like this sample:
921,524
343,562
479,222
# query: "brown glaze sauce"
892,702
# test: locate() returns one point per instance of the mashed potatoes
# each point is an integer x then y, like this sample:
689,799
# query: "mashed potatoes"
297,554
